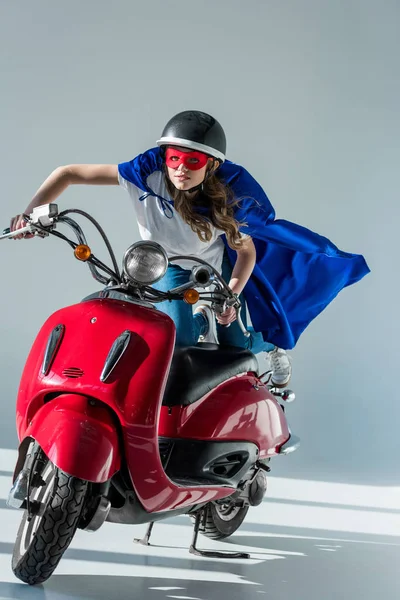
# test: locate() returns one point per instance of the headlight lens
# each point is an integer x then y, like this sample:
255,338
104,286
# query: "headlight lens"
145,262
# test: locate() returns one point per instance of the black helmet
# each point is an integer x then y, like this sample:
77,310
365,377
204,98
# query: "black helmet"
196,130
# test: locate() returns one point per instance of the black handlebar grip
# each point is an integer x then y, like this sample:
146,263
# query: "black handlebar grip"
5,231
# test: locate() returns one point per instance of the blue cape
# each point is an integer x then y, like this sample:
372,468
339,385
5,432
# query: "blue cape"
297,272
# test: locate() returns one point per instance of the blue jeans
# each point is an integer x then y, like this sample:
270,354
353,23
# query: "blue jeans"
189,327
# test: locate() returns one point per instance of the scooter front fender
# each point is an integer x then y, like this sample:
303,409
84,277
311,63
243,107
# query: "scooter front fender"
79,436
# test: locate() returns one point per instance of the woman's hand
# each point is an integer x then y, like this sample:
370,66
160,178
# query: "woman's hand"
227,317
16,223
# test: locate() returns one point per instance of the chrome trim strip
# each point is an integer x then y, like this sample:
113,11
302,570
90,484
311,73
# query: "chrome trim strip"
115,354
116,295
53,344
291,445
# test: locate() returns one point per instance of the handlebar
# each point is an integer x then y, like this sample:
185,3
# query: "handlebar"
7,234
42,222
228,299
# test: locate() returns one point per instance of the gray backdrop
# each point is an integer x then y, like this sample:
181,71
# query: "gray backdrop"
308,93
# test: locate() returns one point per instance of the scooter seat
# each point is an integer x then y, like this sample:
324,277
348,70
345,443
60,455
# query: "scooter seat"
196,370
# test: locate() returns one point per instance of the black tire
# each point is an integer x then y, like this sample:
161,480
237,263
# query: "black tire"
220,521
42,541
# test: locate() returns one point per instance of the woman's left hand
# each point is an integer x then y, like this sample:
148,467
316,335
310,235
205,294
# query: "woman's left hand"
227,317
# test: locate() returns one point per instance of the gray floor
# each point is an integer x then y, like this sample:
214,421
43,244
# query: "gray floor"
303,549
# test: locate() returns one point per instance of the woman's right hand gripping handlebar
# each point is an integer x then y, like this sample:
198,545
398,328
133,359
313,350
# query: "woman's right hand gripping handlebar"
59,180
18,222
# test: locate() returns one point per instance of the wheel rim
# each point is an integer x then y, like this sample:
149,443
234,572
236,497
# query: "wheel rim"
227,512
40,495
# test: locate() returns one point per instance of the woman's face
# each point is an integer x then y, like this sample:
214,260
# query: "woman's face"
188,175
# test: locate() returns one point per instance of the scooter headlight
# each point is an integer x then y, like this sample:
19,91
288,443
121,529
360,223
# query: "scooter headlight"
145,262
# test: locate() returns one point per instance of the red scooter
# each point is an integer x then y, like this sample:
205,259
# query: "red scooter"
116,424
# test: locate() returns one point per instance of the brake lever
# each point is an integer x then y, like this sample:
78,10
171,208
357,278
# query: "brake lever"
238,305
241,325
232,301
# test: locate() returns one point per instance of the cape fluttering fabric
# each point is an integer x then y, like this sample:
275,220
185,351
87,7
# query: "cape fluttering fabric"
297,273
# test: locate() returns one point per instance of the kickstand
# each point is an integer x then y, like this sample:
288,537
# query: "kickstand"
207,553
144,541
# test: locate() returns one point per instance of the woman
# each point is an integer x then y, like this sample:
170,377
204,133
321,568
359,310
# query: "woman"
191,200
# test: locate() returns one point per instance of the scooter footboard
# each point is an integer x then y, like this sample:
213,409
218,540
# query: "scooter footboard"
79,436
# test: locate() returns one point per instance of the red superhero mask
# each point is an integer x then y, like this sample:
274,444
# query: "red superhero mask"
192,160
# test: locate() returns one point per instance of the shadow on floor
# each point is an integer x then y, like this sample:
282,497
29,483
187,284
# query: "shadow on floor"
322,566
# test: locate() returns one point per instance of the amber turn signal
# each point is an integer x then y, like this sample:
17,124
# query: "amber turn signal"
82,252
191,296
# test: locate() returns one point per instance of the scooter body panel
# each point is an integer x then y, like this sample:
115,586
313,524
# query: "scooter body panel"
240,409
89,330
133,391
79,438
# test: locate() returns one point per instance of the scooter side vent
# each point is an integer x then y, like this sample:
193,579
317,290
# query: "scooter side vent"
228,465
72,372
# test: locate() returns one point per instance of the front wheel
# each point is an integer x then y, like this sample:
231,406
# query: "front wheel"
56,501
219,520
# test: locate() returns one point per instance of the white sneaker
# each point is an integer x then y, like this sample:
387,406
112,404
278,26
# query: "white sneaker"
279,363
211,336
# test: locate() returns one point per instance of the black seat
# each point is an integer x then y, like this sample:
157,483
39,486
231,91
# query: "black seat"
196,370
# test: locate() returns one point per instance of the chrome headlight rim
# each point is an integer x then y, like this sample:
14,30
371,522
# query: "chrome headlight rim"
152,244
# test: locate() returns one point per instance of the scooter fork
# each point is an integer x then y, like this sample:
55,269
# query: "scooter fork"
19,491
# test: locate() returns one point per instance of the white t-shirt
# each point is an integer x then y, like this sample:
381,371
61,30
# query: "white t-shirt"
171,232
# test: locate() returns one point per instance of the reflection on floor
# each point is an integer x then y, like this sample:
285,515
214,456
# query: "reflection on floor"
309,540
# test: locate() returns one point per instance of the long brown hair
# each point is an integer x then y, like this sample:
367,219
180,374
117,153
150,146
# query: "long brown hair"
217,201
